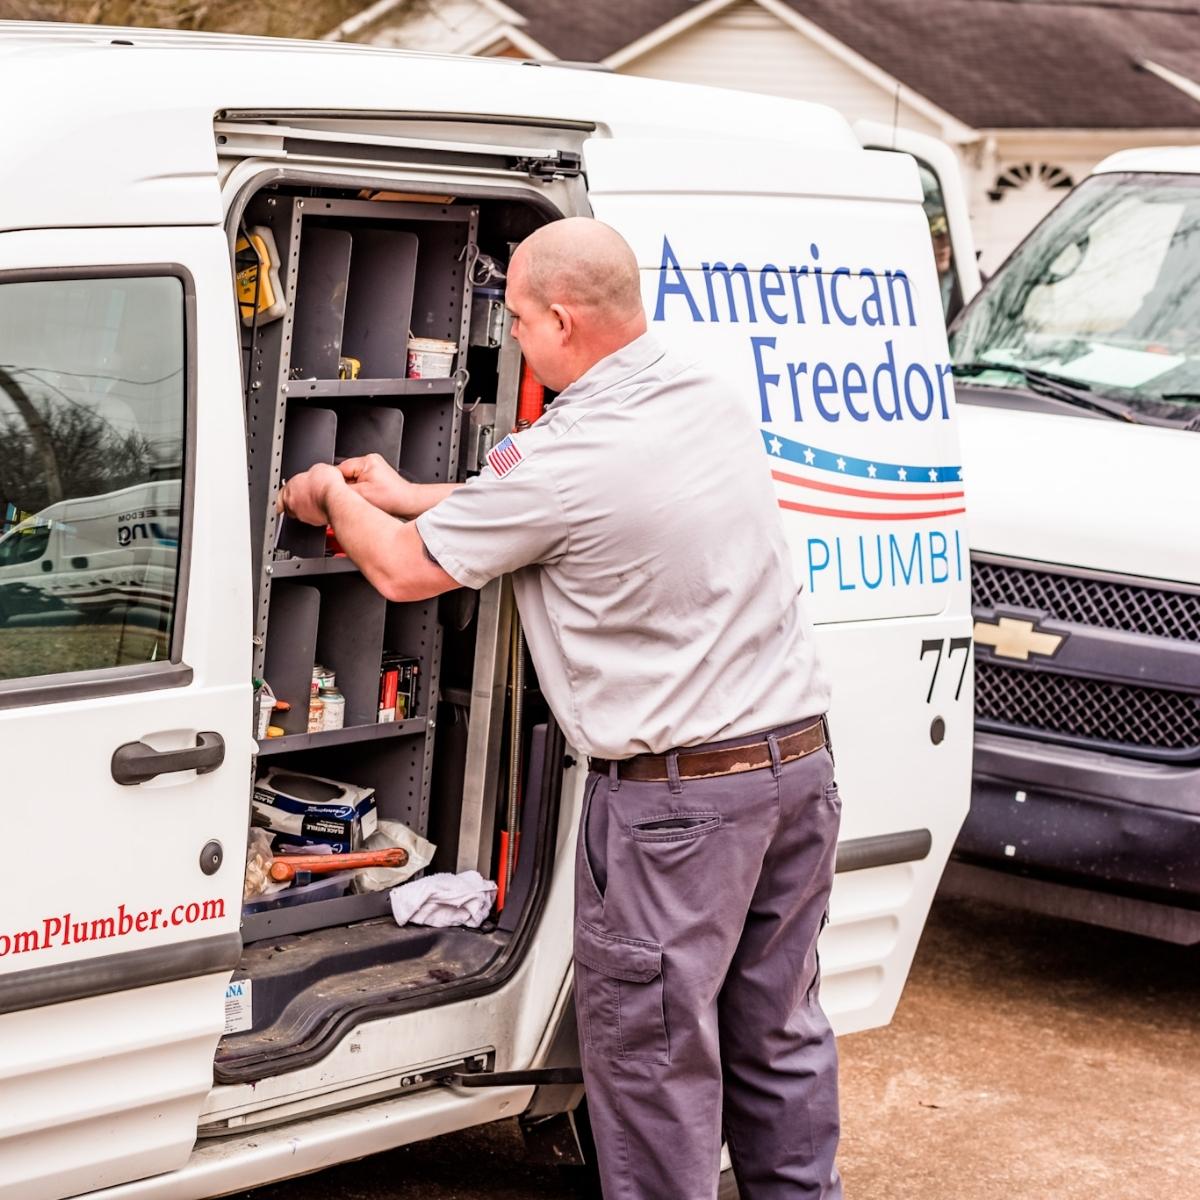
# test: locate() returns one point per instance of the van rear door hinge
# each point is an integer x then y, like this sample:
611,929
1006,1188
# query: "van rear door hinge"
558,164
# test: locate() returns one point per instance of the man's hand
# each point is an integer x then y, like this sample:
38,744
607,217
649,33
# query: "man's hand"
375,480
306,497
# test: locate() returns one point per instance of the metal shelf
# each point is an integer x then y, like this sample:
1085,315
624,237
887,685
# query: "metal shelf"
346,389
319,914
359,277
286,568
340,737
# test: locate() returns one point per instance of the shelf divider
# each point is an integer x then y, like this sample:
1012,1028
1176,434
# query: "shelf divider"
324,271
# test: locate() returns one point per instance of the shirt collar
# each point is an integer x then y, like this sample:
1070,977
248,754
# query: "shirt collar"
614,368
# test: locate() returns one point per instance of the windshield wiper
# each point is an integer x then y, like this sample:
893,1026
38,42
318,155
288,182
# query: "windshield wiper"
1057,387
1192,424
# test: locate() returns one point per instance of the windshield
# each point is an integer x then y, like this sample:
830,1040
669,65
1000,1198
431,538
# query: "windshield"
1105,295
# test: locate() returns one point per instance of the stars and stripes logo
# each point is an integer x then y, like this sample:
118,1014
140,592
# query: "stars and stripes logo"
819,482
504,456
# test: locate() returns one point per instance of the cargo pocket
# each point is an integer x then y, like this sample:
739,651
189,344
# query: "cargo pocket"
621,983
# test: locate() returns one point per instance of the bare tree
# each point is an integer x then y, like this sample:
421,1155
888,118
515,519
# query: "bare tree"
90,456
39,435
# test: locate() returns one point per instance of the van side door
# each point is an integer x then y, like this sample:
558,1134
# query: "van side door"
804,278
125,697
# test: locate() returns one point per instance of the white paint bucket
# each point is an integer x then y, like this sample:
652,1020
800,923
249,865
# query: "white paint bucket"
430,358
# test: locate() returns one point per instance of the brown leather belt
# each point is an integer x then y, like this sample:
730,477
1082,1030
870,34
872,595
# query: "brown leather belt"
699,763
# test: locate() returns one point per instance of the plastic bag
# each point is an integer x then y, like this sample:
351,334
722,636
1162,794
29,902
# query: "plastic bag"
258,866
389,834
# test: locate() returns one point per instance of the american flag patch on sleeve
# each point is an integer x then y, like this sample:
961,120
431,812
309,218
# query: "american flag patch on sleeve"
504,456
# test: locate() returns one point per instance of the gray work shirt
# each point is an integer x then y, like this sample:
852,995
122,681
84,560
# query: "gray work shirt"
649,564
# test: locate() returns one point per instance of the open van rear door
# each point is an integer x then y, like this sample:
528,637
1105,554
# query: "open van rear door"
804,276
125,697
945,201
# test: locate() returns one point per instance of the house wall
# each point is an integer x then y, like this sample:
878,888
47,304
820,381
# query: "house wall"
746,47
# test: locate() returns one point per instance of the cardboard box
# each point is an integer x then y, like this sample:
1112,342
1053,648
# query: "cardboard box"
307,810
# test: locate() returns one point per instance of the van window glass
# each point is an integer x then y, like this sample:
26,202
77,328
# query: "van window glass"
934,204
1104,296
92,400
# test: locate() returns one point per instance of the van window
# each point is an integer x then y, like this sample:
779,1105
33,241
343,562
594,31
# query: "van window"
92,419
934,204
1104,296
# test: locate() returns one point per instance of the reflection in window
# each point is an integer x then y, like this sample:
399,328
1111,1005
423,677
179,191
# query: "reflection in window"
934,204
91,424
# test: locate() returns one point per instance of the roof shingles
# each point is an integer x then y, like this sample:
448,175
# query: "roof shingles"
990,63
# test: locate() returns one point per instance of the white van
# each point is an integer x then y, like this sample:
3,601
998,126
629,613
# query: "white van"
1079,363
92,554
156,1040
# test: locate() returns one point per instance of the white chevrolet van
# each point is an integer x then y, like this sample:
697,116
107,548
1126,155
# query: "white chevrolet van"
212,255
1080,365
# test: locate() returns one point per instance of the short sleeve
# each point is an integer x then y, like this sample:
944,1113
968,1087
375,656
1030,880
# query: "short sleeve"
495,524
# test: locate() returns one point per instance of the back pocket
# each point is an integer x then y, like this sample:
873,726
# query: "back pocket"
621,986
675,826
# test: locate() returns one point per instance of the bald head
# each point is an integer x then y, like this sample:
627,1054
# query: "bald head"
584,263
574,289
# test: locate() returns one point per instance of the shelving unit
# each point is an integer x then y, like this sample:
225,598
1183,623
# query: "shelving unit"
358,276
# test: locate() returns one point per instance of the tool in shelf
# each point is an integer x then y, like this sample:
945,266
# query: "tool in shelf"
294,866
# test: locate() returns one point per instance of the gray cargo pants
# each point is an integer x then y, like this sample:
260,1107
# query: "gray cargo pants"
698,903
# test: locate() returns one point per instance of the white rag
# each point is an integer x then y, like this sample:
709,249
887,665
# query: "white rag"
444,900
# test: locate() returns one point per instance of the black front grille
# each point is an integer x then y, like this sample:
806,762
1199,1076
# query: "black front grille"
1104,603
1116,714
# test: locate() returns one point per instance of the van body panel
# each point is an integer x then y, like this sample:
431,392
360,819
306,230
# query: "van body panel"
1078,465
102,1090
109,1087
1169,160
813,330
221,1166
729,292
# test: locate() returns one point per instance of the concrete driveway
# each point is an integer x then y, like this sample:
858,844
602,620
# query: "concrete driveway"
1030,1058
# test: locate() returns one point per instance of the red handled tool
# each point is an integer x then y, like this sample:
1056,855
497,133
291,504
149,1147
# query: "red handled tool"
288,866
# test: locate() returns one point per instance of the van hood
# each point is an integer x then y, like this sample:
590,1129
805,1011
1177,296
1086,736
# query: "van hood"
1076,491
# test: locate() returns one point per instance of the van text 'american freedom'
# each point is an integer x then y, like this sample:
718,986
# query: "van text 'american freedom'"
809,294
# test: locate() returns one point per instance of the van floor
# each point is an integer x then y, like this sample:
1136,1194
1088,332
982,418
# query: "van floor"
307,986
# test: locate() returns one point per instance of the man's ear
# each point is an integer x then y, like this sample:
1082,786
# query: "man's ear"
565,322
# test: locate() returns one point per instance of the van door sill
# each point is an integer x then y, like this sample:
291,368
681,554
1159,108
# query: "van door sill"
309,987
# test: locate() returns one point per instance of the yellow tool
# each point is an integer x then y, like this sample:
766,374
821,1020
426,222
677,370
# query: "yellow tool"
257,262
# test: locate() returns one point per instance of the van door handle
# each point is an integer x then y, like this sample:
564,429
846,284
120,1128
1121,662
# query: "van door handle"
135,762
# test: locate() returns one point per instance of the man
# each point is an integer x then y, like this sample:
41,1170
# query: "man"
657,597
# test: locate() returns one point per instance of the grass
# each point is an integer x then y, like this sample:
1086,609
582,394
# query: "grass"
56,650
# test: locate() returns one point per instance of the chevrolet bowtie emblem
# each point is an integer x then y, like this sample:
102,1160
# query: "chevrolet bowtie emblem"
1013,638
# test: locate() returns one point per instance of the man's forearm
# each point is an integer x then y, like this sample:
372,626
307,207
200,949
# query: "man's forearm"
421,497
389,554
